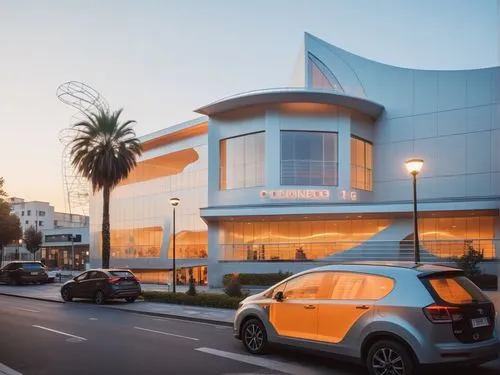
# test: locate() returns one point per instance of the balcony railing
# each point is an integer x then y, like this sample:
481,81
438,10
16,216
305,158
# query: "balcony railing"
431,250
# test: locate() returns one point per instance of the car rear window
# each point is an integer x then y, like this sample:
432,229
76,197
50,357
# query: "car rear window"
121,273
457,290
32,266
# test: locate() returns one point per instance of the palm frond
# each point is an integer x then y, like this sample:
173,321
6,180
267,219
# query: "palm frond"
104,150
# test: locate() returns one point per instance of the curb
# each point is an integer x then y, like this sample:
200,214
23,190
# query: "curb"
29,297
173,316
149,313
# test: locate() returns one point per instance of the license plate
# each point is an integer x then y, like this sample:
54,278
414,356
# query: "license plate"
480,322
34,273
127,282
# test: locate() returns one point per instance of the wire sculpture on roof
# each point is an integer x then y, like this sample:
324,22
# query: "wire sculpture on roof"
85,100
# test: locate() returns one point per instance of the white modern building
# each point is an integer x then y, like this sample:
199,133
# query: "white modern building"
287,178
39,215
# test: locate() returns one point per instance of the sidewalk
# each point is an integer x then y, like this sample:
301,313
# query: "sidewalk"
51,293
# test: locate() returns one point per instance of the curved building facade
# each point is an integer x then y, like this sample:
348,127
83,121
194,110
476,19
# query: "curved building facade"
284,179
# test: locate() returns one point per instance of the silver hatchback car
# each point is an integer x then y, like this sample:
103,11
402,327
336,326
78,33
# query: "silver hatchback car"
392,317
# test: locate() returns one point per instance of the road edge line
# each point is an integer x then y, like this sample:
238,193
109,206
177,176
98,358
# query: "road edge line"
173,316
4,369
30,297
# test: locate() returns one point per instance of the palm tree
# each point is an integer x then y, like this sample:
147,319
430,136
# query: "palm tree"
104,151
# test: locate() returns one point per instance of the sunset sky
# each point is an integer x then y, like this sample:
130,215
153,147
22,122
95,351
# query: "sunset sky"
159,60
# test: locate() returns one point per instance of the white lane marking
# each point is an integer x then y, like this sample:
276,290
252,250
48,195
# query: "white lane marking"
271,364
167,334
7,370
61,333
92,318
29,310
191,322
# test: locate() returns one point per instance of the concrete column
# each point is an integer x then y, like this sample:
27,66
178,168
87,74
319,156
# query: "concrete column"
344,156
215,253
273,150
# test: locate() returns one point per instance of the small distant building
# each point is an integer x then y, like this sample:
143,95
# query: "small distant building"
65,236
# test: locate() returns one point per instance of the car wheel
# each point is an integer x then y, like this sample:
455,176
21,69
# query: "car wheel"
254,336
388,357
66,294
130,299
99,297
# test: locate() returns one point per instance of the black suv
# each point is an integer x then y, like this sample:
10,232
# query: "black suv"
24,272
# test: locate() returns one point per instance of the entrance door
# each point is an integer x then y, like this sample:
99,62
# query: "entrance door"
296,315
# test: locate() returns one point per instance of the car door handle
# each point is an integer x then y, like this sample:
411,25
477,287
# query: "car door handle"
362,307
309,307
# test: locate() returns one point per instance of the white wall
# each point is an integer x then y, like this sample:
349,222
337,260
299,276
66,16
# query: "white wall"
451,119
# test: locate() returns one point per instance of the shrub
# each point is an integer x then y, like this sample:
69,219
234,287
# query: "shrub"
233,287
469,262
258,279
192,288
202,299
485,281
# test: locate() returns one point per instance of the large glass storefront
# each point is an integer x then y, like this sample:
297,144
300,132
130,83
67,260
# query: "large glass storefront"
309,240
141,214
199,273
61,257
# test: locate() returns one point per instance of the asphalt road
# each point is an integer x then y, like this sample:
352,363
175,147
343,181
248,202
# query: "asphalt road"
80,338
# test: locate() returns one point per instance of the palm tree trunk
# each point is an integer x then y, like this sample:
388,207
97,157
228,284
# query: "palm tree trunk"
106,241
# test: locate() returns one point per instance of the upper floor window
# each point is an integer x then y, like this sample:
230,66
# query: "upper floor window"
321,76
361,164
242,161
22,213
41,213
29,213
309,158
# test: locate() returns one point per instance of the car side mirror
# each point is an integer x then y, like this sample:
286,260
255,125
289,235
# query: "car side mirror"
278,296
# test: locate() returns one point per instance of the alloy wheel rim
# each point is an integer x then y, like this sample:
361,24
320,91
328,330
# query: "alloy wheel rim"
387,361
98,297
65,293
254,337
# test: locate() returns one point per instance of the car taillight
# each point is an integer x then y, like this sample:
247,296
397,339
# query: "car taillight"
443,314
113,280
137,279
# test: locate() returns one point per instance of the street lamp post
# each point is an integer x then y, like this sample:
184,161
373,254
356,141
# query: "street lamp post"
174,202
414,166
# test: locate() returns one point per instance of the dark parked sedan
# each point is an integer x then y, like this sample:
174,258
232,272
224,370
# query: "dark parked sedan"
101,285
23,272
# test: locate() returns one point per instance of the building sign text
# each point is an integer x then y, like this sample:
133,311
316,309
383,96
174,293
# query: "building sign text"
308,194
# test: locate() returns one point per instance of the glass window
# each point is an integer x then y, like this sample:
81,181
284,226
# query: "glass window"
355,286
361,164
309,158
121,273
304,287
31,266
29,213
457,290
321,76
242,161
82,277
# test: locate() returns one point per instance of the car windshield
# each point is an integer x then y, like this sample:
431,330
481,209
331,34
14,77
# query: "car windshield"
457,290
121,273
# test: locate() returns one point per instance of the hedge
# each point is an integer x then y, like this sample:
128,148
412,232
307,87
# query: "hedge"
201,299
258,279
486,281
